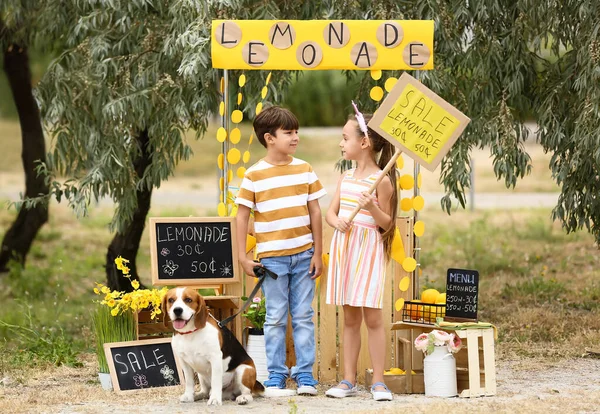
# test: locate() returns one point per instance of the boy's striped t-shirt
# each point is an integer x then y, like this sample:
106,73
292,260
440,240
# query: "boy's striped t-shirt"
279,195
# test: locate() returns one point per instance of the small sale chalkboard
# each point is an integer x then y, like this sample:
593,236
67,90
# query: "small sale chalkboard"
462,289
135,365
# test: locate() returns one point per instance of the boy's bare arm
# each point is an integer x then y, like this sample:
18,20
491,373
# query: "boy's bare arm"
316,225
243,214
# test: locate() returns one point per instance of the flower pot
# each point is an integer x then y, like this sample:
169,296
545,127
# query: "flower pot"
105,381
439,372
256,349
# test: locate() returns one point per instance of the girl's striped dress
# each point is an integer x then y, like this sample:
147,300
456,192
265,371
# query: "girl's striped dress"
356,274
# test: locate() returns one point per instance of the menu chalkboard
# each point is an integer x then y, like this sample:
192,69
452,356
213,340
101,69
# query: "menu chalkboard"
462,288
135,365
193,251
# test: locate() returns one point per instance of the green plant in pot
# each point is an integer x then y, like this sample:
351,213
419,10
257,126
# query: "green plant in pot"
256,314
109,328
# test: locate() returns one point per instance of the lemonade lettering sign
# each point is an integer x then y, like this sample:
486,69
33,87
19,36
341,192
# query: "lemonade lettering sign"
462,289
419,122
193,251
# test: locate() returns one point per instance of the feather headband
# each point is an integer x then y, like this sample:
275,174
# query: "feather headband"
361,120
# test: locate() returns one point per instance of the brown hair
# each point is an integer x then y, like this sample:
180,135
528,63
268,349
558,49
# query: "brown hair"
383,146
271,119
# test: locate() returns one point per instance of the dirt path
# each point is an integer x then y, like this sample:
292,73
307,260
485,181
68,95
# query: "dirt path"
524,386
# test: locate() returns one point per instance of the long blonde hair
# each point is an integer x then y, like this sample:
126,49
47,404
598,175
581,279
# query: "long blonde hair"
386,150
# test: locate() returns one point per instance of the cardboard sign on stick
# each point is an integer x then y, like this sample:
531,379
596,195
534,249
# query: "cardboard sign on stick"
419,122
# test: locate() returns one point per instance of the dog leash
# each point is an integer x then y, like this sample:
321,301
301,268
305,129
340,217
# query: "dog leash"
262,273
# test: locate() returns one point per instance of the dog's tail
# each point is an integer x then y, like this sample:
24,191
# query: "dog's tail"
258,388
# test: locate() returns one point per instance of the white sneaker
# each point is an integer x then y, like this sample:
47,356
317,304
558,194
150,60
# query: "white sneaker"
273,392
381,395
337,392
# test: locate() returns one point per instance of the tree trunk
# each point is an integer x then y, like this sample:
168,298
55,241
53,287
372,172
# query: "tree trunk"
18,239
126,244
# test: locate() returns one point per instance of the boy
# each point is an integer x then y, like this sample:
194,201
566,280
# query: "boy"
284,193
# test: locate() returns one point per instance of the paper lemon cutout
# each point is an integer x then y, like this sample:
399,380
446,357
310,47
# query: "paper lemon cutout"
419,180
222,85
389,83
407,182
235,135
220,159
409,264
397,247
222,210
399,304
376,74
250,140
221,184
229,176
242,80
258,108
400,162
404,284
263,92
268,79
406,204
240,97
419,228
221,134
246,157
221,108
418,203
376,93
240,172
237,116
233,156
250,242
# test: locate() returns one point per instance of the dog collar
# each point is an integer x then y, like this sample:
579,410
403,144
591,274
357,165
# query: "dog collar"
188,332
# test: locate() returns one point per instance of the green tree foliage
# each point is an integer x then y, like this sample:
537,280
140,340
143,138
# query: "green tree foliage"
135,65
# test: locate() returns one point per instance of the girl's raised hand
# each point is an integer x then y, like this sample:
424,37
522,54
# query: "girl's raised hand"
342,225
366,201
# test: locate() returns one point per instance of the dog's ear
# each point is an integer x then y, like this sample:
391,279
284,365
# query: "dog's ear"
163,308
201,314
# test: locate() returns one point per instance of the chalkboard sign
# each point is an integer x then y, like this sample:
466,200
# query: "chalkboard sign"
135,365
462,288
193,251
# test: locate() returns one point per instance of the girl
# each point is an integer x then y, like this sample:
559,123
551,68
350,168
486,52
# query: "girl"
360,249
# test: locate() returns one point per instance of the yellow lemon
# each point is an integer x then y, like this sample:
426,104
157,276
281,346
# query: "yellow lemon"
397,371
429,296
441,299
414,310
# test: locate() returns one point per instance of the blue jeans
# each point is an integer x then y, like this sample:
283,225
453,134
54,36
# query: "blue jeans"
293,290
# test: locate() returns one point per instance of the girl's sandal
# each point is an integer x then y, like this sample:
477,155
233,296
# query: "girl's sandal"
338,392
381,395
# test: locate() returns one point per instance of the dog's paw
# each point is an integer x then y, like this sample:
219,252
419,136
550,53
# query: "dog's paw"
186,398
201,396
243,399
214,401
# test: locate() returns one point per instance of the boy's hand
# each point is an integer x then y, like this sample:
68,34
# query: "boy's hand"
342,225
366,201
249,265
316,266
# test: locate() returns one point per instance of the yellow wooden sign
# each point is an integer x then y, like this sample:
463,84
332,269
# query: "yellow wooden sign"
419,122
322,44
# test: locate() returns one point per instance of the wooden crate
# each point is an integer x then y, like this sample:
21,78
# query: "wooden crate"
475,362
219,306
398,383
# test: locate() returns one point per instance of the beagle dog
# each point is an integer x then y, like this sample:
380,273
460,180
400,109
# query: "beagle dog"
224,368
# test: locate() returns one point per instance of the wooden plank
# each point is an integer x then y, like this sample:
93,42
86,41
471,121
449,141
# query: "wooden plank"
328,331
490,361
364,359
473,351
405,228
388,315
